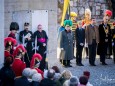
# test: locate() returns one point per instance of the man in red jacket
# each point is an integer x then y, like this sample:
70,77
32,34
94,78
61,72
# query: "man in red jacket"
18,65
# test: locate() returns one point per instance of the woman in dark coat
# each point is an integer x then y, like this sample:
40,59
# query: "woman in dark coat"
6,73
66,44
42,45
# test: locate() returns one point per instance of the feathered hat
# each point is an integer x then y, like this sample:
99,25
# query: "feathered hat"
108,13
20,48
35,60
8,41
73,14
88,13
68,22
14,26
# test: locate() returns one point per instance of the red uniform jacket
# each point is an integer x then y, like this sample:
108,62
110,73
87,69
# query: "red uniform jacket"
7,54
18,66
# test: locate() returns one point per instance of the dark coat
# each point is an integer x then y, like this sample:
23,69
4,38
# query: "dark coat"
113,35
22,81
7,76
39,35
28,43
80,36
42,49
66,42
33,83
47,82
104,47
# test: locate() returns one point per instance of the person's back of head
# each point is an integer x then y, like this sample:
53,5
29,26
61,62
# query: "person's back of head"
73,81
83,80
8,61
26,72
50,73
37,77
87,74
66,74
56,69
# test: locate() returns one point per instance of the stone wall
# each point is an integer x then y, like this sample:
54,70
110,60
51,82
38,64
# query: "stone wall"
1,33
97,7
50,5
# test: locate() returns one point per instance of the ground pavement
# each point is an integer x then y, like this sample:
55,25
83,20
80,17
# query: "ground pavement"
100,75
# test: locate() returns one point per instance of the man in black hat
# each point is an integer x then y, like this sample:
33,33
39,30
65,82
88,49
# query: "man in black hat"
14,27
25,38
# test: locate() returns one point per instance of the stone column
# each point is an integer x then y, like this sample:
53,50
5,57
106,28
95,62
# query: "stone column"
1,33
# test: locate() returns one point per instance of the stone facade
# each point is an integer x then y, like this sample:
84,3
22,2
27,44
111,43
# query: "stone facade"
1,33
50,5
97,7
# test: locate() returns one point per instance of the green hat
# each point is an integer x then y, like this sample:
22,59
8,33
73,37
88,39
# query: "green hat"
68,22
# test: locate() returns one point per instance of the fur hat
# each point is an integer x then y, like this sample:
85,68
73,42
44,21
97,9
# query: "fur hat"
68,22
37,77
26,72
35,60
14,26
88,13
73,14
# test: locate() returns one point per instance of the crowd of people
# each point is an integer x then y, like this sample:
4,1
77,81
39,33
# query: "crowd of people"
99,39
18,76
25,61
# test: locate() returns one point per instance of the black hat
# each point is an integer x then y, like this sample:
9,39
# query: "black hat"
14,26
26,24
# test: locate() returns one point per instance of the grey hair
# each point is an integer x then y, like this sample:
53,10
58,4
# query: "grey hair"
37,77
26,72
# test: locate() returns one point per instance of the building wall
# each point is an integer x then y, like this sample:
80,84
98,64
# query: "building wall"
1,33
97,7
50,5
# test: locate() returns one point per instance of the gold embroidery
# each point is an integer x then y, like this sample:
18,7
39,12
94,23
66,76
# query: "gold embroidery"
106,29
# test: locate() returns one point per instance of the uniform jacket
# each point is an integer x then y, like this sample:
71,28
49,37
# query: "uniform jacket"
18,67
